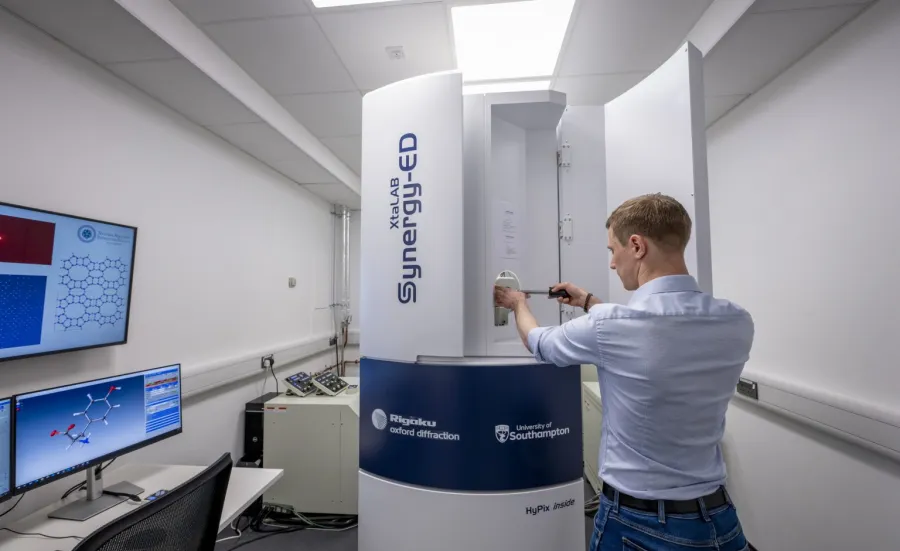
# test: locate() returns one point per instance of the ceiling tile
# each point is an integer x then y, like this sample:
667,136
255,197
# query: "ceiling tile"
180,85
338,194
304,170
347,149
361,36
620,36
99,29
717,106
212,11
761,6
260,140
596,89
326,115
761,46
288,55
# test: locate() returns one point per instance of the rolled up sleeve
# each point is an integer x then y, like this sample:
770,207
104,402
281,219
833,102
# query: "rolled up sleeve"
573,343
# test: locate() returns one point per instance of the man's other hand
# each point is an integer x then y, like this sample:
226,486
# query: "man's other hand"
576,294
508,298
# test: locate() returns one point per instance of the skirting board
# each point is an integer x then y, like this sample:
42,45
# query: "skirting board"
204,378
861,424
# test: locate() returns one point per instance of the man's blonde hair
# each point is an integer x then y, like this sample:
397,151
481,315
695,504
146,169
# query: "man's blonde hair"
657,217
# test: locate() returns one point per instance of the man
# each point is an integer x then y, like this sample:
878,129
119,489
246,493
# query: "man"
668,363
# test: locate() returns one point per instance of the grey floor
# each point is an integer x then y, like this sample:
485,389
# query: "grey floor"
329,541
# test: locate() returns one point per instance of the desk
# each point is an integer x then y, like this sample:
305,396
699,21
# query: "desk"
244,487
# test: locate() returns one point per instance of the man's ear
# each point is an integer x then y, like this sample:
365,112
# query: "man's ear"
638,246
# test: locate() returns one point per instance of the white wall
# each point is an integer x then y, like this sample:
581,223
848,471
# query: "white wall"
803,201
219,233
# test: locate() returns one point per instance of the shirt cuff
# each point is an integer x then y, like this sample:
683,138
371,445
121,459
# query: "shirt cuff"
534,342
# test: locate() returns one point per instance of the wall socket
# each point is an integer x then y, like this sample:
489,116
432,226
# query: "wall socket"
748,388
292,282
267,361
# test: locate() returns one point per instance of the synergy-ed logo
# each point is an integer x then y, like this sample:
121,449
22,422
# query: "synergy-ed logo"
87,233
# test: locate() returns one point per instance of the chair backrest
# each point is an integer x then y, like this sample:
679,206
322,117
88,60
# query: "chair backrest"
185,519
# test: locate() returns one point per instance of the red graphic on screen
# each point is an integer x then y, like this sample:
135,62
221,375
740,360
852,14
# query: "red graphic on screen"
24,241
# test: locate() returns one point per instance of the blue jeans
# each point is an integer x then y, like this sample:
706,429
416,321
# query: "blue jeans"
623,529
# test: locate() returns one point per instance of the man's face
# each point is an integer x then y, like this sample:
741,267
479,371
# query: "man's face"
624,259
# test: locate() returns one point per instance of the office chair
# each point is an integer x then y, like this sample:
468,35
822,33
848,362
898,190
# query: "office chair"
185,519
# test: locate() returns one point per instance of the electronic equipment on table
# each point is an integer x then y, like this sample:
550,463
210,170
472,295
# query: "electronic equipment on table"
329,383
315,440
300,384
67,282
64,430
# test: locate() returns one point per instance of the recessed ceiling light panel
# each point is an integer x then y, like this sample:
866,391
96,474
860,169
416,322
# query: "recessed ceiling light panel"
513,86
510,40
340,3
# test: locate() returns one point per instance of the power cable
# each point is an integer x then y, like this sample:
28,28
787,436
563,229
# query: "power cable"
16,504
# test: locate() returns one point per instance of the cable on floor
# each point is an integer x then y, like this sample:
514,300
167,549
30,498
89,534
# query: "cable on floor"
236,528
264,536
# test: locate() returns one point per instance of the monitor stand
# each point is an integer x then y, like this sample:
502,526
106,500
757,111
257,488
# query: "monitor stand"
96,501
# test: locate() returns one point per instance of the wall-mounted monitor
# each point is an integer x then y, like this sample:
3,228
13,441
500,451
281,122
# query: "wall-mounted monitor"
65,282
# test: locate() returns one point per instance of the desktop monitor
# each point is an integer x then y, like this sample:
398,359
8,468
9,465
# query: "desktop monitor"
65,282
5,448
64,430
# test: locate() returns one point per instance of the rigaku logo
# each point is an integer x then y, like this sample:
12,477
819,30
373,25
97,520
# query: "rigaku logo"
409,426
412,421
540,431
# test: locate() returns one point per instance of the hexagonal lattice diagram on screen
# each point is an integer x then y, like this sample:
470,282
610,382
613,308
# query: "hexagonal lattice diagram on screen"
92,293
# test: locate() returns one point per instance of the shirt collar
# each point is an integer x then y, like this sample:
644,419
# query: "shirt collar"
666,284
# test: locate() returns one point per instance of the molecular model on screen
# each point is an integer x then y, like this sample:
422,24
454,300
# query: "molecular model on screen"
92,293
83,436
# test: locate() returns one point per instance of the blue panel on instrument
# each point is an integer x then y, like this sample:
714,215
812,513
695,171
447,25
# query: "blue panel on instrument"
471,427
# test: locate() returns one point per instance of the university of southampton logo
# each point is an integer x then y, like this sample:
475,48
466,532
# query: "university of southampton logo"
87,234
379,419
502,433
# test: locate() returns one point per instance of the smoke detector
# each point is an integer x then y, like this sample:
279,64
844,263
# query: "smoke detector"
395,52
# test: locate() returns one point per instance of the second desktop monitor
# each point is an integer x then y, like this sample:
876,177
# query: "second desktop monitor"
67,429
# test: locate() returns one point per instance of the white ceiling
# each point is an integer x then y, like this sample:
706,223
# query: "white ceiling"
319,62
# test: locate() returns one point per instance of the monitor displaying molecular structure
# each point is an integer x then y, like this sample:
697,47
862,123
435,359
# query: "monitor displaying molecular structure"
68,429
83,435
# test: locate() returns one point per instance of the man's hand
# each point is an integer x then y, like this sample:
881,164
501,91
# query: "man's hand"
508,298
577,295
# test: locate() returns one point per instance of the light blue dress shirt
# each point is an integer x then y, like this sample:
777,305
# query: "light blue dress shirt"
668,363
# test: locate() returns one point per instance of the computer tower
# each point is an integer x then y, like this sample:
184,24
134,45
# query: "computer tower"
253,428
253,441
